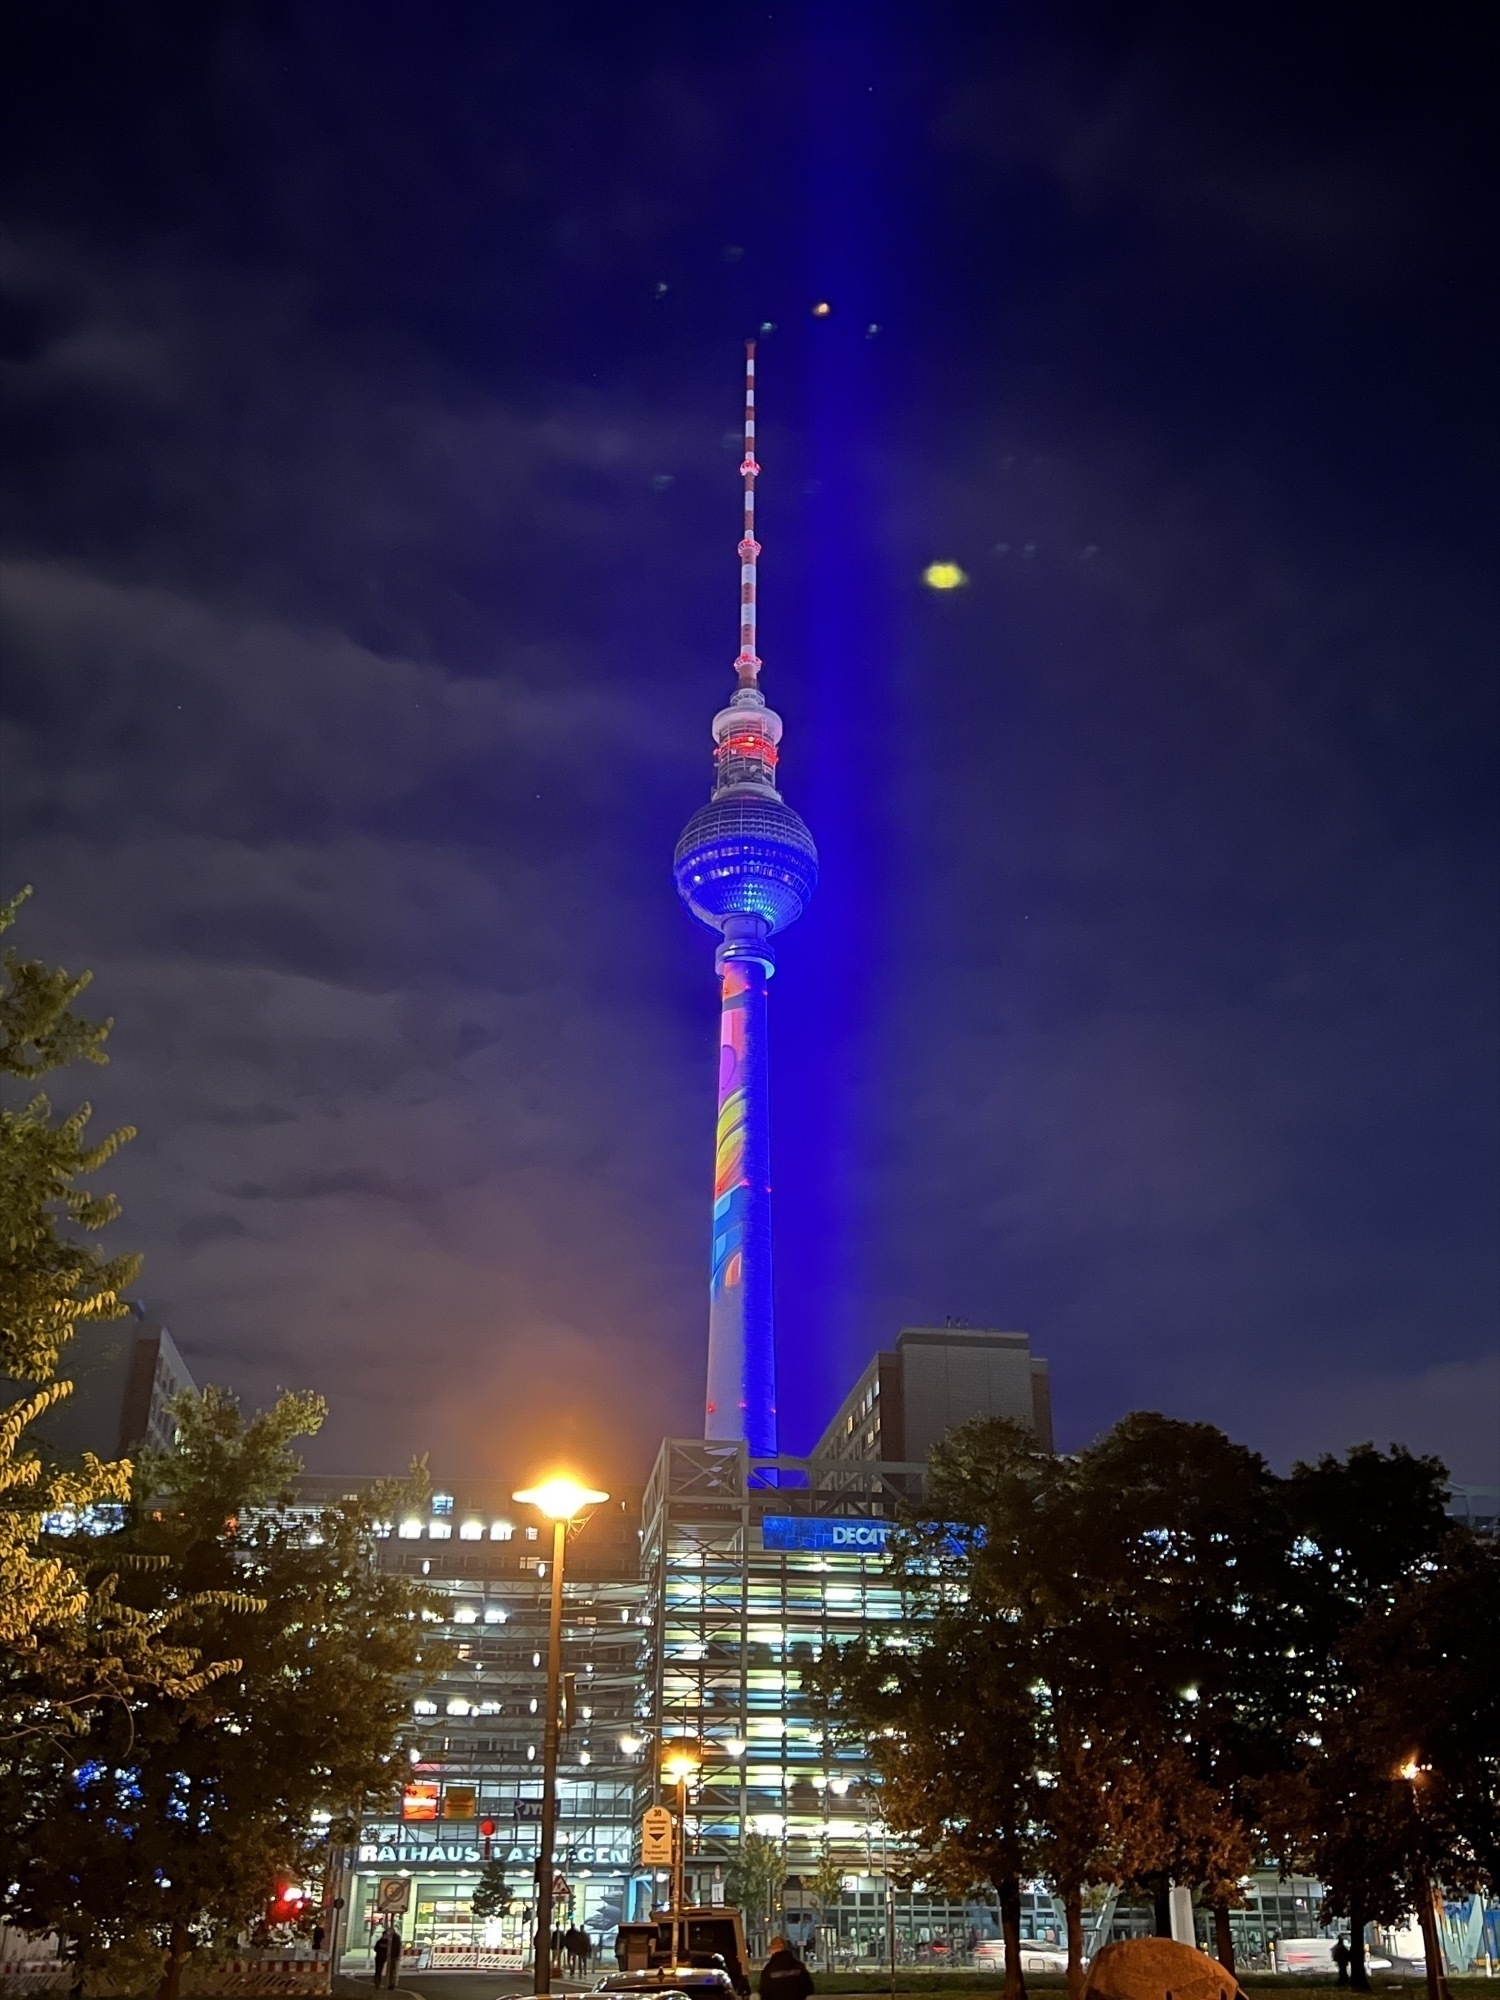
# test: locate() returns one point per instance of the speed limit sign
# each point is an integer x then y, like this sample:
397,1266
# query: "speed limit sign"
393,1895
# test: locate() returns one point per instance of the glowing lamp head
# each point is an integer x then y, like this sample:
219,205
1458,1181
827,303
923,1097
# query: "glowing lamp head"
559,1499
680,1761
1411,1770
944,576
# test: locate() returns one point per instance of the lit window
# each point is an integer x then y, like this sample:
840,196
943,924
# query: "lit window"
493,1615
422,1706
471,1531
440,1530
466,1614
532,1533
410,1530
501,1531
442,1503
457,1705
380,1528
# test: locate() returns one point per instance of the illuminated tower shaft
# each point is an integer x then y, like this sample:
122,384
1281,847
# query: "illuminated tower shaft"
746,866
741,1313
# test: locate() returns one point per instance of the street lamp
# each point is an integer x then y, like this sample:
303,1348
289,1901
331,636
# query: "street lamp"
679,1762
561,1501
1414,1772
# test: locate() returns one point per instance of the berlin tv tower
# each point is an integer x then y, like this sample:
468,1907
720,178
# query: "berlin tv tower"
746,866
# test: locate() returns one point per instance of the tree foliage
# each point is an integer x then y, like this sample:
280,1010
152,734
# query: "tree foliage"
66,1639
49,1279
756,1876
1143,1664
172,1820
492,1896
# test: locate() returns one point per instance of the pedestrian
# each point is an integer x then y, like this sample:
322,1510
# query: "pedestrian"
1341,1957
393,1964
585,1951
318,1935
382,1953
784,1976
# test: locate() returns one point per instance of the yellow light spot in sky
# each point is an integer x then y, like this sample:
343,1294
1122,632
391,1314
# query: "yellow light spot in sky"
822,309
944,576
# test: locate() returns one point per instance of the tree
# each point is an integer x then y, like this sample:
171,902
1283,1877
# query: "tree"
68,1642
755,1878
1361,1532
1111,1573
492,1897
827,1878
1119,1667
948,1716
176,1819
1405,1788
49,1281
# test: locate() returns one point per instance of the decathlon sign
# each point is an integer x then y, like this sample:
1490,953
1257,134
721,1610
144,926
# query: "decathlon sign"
824,1531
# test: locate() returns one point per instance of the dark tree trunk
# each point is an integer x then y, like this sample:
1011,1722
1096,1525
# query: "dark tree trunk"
1009,1889
1073,1916
1161,1904
1437,1978
1359,1973
1223,1935
177,1953
80,1965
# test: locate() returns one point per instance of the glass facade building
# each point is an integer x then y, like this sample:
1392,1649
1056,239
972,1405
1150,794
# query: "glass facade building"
476,1726
753,1566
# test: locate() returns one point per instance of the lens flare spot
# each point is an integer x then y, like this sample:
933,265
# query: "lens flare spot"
944,576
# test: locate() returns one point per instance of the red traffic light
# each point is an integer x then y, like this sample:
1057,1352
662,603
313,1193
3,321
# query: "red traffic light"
287,1904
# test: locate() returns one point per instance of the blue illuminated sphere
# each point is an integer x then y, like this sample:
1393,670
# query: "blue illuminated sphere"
746,856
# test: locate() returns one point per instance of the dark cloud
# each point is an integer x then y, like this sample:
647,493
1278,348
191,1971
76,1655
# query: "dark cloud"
369,587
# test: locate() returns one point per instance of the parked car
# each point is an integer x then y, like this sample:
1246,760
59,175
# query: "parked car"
698,1982
990,1953
1315,1955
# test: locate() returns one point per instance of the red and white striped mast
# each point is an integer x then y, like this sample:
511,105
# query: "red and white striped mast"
747,666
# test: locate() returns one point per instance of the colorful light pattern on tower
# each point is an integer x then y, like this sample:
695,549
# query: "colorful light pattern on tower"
746,866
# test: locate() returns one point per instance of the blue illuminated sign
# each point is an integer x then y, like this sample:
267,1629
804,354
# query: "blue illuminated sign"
824,1531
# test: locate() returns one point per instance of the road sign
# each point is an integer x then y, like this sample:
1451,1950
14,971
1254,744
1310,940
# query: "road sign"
656,1838
393,1895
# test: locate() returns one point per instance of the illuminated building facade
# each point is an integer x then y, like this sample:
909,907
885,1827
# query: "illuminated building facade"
746,866
476,1726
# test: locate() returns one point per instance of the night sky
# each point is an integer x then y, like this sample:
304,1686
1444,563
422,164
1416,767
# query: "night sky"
373,374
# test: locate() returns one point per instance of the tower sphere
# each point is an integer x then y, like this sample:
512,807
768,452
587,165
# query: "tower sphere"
746,855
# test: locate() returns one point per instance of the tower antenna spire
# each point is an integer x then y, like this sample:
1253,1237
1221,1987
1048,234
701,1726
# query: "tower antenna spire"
747,666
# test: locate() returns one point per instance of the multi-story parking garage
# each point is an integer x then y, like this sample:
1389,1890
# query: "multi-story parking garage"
477,1725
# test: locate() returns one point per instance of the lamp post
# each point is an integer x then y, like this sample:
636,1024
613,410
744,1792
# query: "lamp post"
1432,1944
679,1764
561,1501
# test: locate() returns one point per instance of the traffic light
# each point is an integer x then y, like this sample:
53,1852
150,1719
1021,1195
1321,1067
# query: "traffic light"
288,1904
